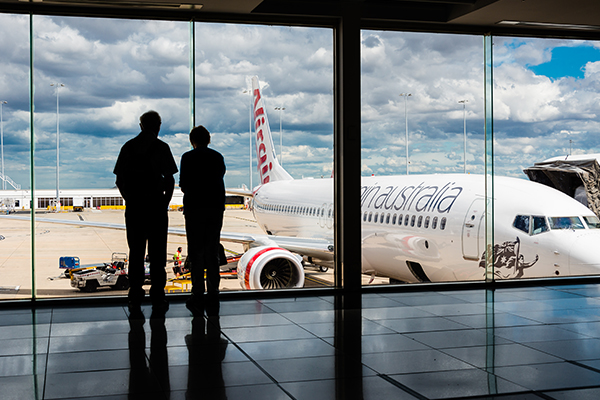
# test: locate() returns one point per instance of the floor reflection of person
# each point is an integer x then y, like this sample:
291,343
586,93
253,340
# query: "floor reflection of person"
144,175
148,380
201,181
206,352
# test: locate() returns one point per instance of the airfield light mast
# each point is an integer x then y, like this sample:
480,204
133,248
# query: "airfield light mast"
463,102
280,109
249,91
2,102
58,86
405,95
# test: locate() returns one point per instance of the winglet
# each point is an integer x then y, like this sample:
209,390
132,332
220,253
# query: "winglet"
269,169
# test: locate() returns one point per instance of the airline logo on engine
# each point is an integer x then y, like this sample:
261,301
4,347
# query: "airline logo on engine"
264,165
420,198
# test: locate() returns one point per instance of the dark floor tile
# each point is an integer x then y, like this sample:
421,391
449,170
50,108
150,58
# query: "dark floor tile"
88,361
89,328
500,355
594,364
96,383
248,392
456,384
88,314
24,331
535,333
180,355
25,317
386,343
431,299
575,394
299,306
512,396
497,320
451,309
251,320
395,313
62,344
22,387
16,347
284,349
425,324
243,308
591,329
574,350
412,362
267,333
310,316
22,365
314,368
549,376
198,377
367,388
562,316
450,339
378,302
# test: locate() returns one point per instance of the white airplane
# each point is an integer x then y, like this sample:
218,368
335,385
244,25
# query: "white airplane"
417,228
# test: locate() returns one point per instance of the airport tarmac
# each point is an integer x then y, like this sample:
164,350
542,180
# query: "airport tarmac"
96,245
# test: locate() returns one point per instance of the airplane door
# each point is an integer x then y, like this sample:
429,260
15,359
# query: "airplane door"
471,234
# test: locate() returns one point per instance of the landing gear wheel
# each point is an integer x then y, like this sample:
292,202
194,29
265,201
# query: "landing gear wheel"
323,269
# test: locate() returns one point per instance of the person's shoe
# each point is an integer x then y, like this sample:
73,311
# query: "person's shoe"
195,307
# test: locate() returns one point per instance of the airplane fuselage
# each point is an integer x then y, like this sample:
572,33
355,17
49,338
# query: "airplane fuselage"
431,227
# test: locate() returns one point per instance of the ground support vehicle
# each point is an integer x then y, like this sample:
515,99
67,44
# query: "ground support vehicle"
112,275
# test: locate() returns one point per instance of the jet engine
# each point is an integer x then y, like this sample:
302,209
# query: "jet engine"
270,268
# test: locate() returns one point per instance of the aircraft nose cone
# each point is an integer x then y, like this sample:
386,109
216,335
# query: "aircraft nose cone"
584,254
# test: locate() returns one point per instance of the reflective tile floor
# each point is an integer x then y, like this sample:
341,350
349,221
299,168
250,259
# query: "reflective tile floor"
524,343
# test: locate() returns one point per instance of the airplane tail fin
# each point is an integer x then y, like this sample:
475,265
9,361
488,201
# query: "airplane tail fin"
269,169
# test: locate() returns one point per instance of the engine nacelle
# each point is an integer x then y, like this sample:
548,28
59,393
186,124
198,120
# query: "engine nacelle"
270,268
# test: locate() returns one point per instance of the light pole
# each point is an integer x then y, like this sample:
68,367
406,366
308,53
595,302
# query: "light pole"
249,91
58,86
406,95
2,102
464,103
280,109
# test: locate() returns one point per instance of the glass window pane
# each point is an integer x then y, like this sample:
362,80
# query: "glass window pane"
422,147
15,158
94,78
544,93
292,99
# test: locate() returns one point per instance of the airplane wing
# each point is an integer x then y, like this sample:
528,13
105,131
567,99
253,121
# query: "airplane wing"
310,247
239,192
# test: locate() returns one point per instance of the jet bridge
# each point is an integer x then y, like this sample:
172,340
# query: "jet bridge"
569,173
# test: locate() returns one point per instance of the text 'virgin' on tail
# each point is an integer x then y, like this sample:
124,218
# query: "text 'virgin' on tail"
269,169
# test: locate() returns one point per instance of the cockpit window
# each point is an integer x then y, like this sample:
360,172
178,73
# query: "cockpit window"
592,222
522,223
539,225
565,223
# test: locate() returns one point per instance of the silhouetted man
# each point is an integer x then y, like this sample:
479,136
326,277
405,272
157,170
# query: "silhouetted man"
144,170
201,181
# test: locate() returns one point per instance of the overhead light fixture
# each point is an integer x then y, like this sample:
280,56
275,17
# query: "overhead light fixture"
551,25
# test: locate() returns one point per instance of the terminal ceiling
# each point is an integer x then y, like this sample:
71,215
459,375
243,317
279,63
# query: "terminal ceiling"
527,17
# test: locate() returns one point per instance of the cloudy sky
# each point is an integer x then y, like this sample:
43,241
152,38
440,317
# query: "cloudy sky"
545,96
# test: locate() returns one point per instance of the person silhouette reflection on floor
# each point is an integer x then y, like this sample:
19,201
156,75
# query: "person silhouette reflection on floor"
148,381
201,181
144,170
206,353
